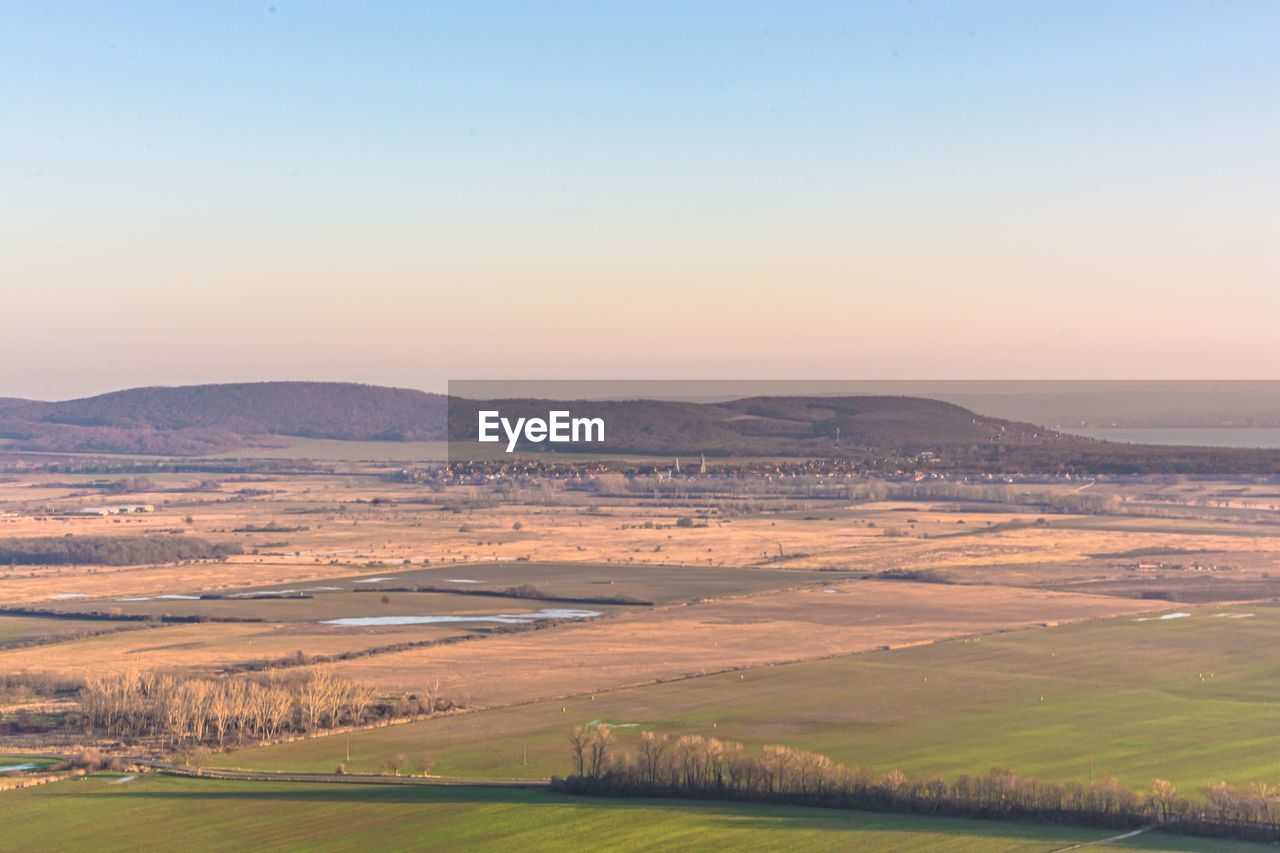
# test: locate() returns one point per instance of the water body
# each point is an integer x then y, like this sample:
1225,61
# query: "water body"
505,618
16,768
1164,617
173,597
1268,437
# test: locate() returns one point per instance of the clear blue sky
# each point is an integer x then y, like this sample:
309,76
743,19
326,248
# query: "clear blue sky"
408,192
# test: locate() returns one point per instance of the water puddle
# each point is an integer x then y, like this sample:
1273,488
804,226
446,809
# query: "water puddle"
17,768
173,597
1164,617
504,618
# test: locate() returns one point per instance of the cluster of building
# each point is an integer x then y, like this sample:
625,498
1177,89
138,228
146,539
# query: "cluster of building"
117,509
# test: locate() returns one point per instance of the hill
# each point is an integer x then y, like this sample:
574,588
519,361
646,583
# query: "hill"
198,419
782,426
879,431
211,418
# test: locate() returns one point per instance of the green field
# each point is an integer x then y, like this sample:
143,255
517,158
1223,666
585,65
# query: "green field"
155,813
22,629
21,760
1190,699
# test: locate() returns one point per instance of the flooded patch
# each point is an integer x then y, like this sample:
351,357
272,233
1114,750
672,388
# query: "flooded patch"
18,768
63,596
1234,615
323,589
504,618
270,593
1164,617
161,598
591,723
373,580
461,580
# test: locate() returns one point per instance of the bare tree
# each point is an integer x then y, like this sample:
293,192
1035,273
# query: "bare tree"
652,748
1163,795
578,739
601,743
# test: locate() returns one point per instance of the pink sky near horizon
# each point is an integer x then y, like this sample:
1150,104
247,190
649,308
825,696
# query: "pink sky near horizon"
404,193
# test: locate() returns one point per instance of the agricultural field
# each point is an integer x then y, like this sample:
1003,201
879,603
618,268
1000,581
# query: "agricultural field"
609,646
209,648
320,527
761,630
1190,699
106,813
934,635
460,589
19,630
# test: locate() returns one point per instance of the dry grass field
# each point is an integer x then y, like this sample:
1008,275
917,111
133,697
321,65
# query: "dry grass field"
766,629
773,618
331,531
331,526
207,648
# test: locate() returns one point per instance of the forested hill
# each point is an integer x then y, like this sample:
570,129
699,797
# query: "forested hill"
200,419
210,418
785,426
886,432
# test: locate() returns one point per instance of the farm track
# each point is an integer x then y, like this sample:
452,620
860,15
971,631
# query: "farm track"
1124,836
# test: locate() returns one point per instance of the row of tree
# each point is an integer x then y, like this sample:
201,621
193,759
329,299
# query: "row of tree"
696,766
183,711
110,550
741,485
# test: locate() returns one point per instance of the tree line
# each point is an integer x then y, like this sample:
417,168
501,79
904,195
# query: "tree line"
110,550
180,711
708,768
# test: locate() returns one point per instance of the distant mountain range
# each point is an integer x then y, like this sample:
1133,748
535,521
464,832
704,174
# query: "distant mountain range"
204,419
212,419
773,426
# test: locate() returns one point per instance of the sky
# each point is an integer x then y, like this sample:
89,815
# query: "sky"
407,193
